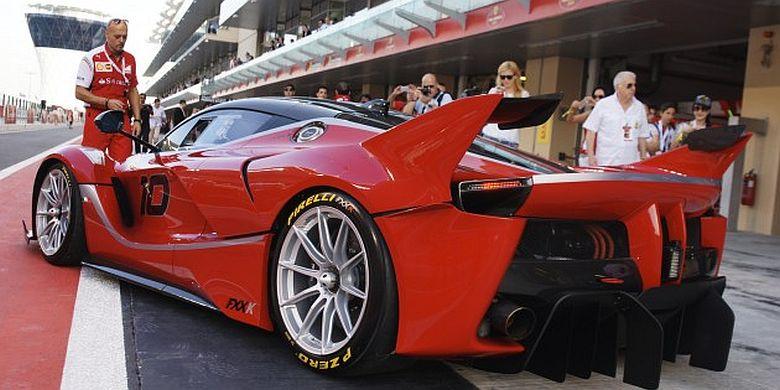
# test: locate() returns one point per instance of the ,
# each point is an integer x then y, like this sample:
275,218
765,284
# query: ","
367,239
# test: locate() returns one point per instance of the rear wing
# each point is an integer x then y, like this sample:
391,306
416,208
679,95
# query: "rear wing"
514,113
707,152
424,152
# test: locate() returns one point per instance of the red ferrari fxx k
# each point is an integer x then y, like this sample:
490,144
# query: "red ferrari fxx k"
366,238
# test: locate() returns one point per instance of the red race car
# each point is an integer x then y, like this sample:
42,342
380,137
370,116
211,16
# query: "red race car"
363,236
